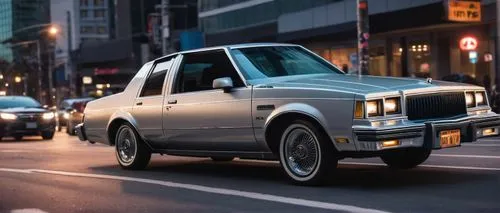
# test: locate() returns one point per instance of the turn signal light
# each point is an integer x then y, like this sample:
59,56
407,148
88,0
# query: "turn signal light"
359,110
390,143
489,131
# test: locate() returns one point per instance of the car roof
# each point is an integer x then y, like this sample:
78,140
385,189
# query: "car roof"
231,46
14,97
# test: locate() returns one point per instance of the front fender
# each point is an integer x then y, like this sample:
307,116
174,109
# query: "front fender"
301,108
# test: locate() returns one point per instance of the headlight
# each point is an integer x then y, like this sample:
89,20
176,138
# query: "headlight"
480,98
48,115
392,106
470,99
8,116
374,108
66,115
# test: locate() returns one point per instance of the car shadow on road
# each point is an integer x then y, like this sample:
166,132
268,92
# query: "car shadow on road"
24,140
346,176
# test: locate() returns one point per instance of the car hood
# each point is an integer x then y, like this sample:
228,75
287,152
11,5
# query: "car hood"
357,84
22,110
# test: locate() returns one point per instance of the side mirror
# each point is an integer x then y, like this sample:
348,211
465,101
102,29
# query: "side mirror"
225,83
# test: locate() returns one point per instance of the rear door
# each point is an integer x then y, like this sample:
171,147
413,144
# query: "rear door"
148,105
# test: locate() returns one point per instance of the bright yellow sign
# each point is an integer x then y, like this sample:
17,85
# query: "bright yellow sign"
464,11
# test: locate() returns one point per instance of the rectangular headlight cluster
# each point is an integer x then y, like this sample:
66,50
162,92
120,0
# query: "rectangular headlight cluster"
378,107
475,99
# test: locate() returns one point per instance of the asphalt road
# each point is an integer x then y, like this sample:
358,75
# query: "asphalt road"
65,175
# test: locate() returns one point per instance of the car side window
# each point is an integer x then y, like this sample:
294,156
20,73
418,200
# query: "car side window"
155,80
199,70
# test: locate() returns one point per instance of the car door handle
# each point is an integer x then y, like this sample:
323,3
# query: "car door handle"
138,103
172,102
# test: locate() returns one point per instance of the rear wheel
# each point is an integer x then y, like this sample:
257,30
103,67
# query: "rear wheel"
407,158
306,154
18,137
48,135
131,151
222,159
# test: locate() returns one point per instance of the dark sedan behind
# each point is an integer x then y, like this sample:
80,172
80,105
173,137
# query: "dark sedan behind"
23,116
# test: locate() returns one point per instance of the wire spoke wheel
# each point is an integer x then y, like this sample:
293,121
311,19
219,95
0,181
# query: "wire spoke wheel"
126,146
301,152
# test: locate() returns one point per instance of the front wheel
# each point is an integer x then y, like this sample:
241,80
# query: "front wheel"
18,137
306,153
131,151
48,135
407,158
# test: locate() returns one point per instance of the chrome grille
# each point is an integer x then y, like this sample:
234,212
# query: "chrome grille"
28,116
431,106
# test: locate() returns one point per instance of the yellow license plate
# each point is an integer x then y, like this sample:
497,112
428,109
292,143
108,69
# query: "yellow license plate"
449,138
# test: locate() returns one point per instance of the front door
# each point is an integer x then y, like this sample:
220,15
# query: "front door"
199,117
148,106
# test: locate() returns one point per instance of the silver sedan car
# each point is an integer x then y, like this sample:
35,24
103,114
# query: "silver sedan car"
282,102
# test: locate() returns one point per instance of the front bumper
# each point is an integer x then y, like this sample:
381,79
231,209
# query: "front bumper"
425,134
10,128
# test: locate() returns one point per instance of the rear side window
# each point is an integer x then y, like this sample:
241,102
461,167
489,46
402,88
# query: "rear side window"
154,82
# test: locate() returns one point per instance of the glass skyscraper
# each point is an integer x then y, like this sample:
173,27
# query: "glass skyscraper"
5,28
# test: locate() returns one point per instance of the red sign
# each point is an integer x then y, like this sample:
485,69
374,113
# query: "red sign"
468,43
105,71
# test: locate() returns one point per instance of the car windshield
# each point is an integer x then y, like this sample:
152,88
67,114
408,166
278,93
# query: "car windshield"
276,61
14,102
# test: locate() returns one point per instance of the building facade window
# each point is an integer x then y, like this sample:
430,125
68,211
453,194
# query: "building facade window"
84,3
84,13
100,13
87,29
101,30
99,3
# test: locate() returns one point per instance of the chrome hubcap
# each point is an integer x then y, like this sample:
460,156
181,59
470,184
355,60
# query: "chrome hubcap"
126,145
301,152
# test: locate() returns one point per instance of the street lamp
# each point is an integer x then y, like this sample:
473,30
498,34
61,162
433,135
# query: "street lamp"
52,31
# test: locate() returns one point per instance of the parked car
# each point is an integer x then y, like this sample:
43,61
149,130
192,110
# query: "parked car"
75,115
64,109
282,102
23,116
461,78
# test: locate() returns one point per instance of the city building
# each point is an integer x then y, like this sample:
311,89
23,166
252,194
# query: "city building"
407,37
22,35
96,20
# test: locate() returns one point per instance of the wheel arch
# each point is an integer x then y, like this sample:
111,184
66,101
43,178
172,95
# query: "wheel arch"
116,120
276,122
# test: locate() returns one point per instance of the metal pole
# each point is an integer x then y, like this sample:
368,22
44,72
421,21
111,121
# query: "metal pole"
497,56
69,63
39,73
363,36
49,76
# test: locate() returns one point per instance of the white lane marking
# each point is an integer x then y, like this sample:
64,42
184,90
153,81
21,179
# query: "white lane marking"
429,166
482,145
214,190
467,156
27,211
15,170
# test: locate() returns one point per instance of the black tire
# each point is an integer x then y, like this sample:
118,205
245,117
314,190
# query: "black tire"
59,127
18,137
222,159
316,143
407,158
141,153
48,135
70,130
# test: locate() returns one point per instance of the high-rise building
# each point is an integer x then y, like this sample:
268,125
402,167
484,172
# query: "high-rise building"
16,16
97,20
